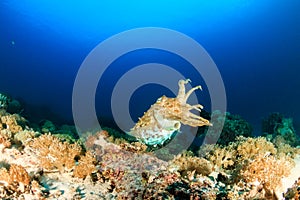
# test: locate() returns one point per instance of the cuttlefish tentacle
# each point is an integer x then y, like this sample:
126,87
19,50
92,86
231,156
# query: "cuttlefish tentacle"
181,92
188,94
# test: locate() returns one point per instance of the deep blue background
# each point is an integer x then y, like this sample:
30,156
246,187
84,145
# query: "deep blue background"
255,44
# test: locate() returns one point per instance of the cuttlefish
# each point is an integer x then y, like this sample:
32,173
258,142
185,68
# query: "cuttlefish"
164,117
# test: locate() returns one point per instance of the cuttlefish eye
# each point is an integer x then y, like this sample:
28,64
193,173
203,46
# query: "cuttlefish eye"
177,125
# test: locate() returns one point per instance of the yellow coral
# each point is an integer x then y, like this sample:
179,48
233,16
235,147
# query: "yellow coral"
86,165
249,148
54,154
10,122
185,163
165,117
254,161
266,171
15,179
223,158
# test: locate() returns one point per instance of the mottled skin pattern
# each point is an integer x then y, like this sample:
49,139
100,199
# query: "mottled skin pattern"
164,118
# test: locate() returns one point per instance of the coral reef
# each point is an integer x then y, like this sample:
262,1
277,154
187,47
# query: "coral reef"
185,163
54,154
277,125
294,191
47,126
13,180
110,165
164,118
233,127
4,101
85,166
254,161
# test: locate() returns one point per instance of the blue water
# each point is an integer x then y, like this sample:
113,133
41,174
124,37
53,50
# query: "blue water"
255,45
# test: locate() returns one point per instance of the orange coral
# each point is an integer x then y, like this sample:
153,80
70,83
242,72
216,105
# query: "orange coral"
54,154
249,148
222,158
267,171
86,165
186,163
294,191
16,179
10,122
5,141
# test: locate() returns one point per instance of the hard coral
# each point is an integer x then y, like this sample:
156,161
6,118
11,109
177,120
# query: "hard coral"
250,148
4,101
54,154
277,125
266,171
294,191
185,163
232,127
222,158
254,161
10,123
85,166
14,180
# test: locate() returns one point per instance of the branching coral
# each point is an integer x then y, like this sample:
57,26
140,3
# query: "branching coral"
277,125
10,123
250,148
266,171
4,101
164,117
227,132
185,163
222,158
85,166
54,154
16,179
294,191
255,161
11,131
